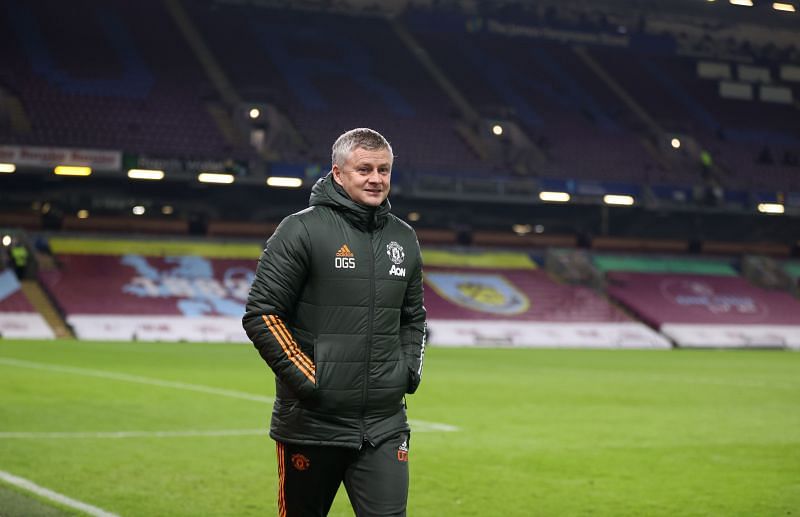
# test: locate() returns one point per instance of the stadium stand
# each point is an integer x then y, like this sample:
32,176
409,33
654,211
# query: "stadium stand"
18,318
490,303
142,91
702,302
560,102
138,297
317,67
588,101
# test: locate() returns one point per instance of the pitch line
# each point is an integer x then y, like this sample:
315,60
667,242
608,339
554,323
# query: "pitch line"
137,379
419,425
46,493
131,434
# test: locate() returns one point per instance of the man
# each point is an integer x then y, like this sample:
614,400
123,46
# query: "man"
336,311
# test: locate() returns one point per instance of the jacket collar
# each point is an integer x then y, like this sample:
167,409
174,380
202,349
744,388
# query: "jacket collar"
326,192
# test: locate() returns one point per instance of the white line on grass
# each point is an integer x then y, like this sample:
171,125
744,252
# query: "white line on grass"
418,425
133,434
61,499
138,379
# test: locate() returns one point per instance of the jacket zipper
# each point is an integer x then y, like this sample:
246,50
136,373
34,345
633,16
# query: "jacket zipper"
370,318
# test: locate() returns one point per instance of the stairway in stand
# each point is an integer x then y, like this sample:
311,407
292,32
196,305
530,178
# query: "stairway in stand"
42,303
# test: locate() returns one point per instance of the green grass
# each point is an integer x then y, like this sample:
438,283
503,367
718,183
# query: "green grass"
542,432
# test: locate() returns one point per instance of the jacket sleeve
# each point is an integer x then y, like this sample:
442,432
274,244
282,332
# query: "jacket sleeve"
412,326
280,276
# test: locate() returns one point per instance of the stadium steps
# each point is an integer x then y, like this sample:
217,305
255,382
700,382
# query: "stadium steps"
221,113
618,90
224,122
195,41
17,116
41,302
471,117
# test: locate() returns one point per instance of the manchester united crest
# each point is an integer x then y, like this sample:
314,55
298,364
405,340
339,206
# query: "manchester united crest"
300,462
396,253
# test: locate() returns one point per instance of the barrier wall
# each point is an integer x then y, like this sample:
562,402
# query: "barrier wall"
482,333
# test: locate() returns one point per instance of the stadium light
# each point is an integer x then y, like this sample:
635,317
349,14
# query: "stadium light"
138,210
6,240
497,130
522,229
414,216
72,170
215,177
167,210
770,208
554,197
146,174
255,113
7,168
83,214
618,199
676,143
282,181
745,3
781,6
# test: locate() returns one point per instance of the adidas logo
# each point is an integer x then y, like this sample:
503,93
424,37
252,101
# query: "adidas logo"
344,251
345,258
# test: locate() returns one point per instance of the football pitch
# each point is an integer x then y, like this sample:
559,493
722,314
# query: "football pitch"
180,429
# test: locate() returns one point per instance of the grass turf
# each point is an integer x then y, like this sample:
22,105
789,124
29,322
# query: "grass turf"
541,432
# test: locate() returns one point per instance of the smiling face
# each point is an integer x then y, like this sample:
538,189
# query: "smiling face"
365,175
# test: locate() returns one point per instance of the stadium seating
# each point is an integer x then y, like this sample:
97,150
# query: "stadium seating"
327,74
492,304
149,95
142,91
18,318
131,296
734,131
709,310
561,104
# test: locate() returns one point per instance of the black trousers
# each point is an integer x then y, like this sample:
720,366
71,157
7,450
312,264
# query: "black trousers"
376,478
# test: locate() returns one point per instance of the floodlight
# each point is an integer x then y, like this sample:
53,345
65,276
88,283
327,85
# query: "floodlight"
215,177
618,199
770,208
555,197
72,170
146,174
282,181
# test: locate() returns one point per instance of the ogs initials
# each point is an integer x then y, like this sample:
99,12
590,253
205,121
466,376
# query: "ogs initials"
345,263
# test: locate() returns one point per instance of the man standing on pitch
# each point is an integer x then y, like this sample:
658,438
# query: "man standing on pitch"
336,311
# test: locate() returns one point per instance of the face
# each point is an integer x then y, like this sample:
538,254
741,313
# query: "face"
365,176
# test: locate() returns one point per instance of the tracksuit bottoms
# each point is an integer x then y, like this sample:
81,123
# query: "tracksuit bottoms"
375,477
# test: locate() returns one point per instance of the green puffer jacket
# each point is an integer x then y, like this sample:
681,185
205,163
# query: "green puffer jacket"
336,311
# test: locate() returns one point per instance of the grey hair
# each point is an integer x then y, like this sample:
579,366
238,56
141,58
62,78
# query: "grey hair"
361,137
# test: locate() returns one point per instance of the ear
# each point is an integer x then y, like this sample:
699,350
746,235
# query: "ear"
337,174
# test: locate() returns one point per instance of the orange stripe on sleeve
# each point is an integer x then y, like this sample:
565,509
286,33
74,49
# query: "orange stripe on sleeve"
293,344
291,354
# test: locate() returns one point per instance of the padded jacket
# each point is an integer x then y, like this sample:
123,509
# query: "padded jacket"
336,311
